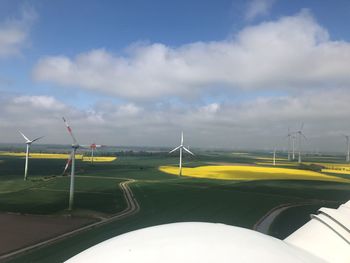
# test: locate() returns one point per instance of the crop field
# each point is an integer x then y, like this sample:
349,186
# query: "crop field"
248,173
242,199
59,156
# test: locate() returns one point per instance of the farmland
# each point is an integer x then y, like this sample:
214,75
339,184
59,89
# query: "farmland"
248,173
162,196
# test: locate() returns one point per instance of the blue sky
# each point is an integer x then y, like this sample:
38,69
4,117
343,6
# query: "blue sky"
130,60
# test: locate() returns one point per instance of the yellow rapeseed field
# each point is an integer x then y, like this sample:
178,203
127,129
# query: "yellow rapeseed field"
333,171
100,159
40,155
336,168
277,163
58,156
248,173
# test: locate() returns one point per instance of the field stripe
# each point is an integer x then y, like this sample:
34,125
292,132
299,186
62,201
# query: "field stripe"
133,207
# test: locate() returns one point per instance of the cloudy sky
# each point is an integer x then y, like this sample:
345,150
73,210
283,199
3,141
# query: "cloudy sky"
233,74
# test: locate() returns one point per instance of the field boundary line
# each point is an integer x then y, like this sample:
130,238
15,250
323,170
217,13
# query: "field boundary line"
132,207
264,223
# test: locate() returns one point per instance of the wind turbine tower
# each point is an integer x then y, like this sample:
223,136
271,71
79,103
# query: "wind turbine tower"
290,135
28,143
348,148
293,147
274,157
71,160
180,148
93,148
300,137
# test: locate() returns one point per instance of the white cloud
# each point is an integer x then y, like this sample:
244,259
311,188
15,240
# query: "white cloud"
256,123
292,53
14,32
40,102
210,108
258,8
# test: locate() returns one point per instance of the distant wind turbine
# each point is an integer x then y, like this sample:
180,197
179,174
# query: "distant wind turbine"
289,136
348,148
180,147
71,160
300,137
293,147
28,143
291,143
274,157
93,148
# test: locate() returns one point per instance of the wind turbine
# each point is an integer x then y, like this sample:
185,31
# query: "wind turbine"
291,142
289,135
93,147
300,135
293,147
274,157
28,143
347,137
71,160
180,147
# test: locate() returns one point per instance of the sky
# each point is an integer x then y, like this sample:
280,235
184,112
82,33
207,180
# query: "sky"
229,74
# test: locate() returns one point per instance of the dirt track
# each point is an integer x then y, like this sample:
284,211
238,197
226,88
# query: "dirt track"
23,230
264,223
36,237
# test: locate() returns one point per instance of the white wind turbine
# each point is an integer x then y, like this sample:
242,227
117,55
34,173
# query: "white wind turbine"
290,143
300,135
347,137
274,157
180,147
293,147
28,143
71,159
93,148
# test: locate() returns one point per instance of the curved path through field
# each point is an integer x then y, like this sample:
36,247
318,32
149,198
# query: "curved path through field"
264,223
132,207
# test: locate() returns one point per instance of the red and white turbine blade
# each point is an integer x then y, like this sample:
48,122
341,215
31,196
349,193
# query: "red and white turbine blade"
69,161
70,131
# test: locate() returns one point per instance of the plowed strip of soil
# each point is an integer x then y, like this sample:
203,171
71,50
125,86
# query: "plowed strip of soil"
19,231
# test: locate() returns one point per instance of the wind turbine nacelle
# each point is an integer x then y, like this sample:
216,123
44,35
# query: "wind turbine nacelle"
193,242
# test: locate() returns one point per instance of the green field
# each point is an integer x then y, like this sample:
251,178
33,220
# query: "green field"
163,198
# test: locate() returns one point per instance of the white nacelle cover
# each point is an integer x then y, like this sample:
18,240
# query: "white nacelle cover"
194,243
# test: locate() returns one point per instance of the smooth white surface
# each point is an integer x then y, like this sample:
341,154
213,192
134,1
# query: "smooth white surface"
326,235
194,242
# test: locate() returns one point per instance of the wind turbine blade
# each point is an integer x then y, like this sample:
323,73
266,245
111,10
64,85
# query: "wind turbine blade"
178,147
70,131
187,150
182,138
68,162
38,138
303,135
24,136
